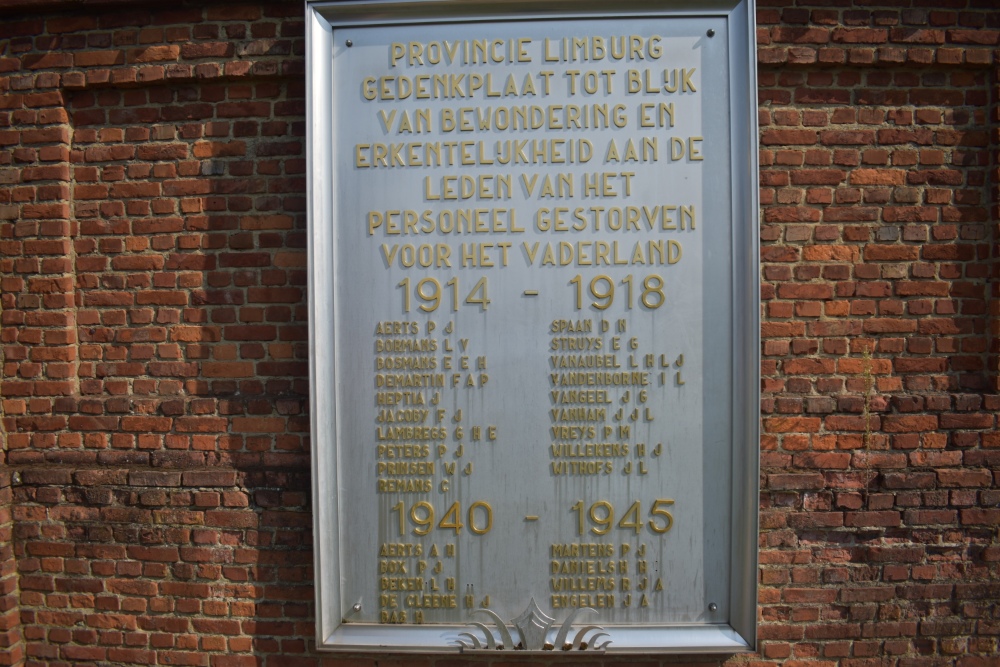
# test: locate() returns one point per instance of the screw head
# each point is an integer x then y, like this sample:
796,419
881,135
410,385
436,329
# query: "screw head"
349,43
711,32
356,607
712,606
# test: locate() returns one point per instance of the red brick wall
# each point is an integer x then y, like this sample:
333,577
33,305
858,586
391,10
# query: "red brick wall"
152,267
881,457
11,647
993,359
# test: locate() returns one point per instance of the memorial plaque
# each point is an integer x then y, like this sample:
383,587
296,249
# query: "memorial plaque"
534,348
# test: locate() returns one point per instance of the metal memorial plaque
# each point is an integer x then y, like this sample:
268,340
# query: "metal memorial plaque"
533,310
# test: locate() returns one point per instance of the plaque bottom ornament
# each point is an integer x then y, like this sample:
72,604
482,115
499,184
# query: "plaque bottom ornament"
532,627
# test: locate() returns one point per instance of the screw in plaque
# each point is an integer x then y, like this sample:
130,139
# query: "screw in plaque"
712,606
349,43
710,33
355,608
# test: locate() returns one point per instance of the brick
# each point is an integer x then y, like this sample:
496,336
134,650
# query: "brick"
967,478
805,291
859,35
789,137
885,519
967,421
801,35
227,369
795,481
154,478
909,423
145,424
980,517
95,58
154,54
209,478
44,477
868,594
877,177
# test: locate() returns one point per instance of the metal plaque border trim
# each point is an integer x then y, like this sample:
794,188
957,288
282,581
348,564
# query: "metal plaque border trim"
333,632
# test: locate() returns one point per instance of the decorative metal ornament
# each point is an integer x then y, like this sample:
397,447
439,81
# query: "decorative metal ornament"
533,627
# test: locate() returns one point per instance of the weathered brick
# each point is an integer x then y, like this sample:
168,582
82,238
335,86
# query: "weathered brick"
154,478
209,478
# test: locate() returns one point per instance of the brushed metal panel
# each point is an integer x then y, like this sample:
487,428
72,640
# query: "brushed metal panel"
547,478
